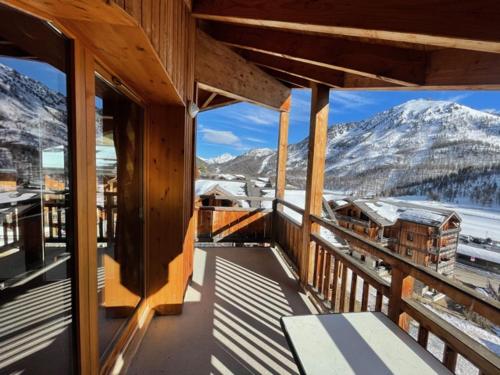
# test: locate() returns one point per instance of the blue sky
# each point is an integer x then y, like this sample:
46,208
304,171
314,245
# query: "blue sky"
237,128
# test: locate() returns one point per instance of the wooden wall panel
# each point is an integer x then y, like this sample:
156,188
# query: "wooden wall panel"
170,28
169,209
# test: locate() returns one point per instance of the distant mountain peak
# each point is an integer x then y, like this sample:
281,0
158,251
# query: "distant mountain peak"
258,152
224,158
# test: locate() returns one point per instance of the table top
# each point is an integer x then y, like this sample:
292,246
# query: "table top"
356,343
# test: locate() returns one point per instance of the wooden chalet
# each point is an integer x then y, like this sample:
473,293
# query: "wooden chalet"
217,196
428,236
90,278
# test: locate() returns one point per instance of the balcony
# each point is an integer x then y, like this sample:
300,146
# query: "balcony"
353,220
237,296
231,316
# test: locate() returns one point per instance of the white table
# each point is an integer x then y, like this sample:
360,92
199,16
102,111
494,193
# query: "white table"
356,343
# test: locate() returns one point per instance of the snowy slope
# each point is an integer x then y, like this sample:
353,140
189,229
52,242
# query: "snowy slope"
32,119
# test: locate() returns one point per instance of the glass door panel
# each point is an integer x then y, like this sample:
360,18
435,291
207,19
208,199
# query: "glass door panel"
119,210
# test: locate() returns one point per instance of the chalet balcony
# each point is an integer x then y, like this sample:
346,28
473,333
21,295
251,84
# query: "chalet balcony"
231,317
104,262
238,295
353,220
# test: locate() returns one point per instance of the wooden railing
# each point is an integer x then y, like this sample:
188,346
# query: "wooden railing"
235,224
54,220
338,282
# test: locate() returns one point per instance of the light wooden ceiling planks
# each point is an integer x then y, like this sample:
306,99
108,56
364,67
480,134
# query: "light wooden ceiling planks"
462,24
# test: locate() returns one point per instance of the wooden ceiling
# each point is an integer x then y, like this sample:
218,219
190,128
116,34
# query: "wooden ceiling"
363,44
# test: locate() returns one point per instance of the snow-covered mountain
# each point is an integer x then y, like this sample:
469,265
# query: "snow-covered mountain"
32,119
224,158
413,146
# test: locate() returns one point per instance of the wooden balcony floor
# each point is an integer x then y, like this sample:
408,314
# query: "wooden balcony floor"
230,322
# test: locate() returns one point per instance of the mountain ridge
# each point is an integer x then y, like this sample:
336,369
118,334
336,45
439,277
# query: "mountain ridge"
406,145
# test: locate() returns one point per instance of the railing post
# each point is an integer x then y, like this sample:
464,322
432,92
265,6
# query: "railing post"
315,175
401,287
282,149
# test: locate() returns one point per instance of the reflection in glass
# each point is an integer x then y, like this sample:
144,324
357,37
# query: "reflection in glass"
35,248
119,210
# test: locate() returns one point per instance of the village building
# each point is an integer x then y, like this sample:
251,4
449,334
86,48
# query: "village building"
428,236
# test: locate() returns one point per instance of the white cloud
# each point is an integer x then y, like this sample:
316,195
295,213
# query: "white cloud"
347,100
220,137
457,98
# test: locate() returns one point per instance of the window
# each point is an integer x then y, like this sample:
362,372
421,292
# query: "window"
409,252
409,236
119,210
36,248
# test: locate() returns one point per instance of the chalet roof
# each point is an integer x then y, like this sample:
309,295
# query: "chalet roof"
387,212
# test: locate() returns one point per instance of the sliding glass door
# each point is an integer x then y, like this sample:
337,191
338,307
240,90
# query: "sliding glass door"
119,210
36,247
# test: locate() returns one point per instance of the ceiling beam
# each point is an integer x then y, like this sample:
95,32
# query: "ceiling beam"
463,24
219,102
288,78
330,77
397,65
219,69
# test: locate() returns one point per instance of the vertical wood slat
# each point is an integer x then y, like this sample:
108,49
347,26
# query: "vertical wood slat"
316,264
354,284
378,301
450,358
364,298
51,221
59,222
336,269
327,272
423,336
343,287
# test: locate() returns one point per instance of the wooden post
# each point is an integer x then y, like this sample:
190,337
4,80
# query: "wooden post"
401,286
315,174
85,218
282,149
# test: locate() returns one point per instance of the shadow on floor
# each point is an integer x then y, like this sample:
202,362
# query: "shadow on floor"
230,322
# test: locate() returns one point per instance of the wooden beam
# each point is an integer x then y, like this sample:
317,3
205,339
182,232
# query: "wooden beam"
330,77
288,78
218,102
445,69
315,174
207,102
221,70
461,24
397,65
282,150
318,74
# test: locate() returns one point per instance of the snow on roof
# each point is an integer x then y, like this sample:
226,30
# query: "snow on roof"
233,187
387,213
484,254
227,187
